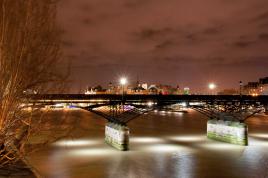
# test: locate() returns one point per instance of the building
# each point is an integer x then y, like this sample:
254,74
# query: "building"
263,86
153,89
186,91
145,86
95,90
252,88
256,88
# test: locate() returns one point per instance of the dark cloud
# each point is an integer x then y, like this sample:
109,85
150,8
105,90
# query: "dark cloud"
165,44
262,17
192,37
153,34
212,31
244,44
189,42
263,36
264,25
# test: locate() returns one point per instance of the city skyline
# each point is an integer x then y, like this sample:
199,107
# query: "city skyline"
190,43
253,88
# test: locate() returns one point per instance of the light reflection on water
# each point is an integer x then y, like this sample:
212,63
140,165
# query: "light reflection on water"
167,145
75,143
189,138
145,140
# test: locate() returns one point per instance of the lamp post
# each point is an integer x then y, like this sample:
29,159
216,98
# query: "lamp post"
123,82
240,89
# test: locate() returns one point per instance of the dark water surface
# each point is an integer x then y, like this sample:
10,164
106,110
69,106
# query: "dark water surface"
162,145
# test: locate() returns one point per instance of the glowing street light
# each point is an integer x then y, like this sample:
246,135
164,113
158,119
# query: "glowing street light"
212,86
123,82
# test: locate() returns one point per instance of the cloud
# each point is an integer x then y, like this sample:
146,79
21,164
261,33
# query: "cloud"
243,44
262,17
156,37
153,34
165,44
263,36
212,30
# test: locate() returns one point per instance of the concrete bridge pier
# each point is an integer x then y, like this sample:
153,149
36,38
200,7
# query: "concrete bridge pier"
117,136
228,131
266,109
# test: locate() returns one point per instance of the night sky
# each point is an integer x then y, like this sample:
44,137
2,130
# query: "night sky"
179,42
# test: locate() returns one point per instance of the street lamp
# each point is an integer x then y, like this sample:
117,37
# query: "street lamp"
240,85
212,87
123,82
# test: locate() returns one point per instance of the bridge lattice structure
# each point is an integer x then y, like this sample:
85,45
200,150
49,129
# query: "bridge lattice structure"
117,112
114,109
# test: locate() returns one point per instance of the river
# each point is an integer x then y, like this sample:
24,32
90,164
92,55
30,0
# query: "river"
162,145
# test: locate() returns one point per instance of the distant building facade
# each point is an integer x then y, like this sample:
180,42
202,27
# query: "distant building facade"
257,88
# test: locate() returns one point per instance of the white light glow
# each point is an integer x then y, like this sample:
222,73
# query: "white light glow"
184,104
123,81
164,148
258,141
212,86
189,138
150,104
265,136
179,113
221,146
145,140
92,152
75,143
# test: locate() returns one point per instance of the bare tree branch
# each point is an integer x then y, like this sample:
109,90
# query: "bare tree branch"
29,57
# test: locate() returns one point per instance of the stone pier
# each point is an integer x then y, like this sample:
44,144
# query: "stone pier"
117,136
228,131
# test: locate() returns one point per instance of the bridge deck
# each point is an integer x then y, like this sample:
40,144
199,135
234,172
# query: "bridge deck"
80,98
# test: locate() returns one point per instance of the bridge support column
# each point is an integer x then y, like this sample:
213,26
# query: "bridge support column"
266,109
227,131
117,136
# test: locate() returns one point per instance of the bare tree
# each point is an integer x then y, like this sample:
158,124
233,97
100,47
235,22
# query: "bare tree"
29,53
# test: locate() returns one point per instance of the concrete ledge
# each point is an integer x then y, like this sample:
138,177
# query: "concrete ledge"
117,136
228,131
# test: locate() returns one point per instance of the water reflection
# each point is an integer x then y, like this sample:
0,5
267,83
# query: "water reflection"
189,138
164,148
145,140
220,146
185,166
91,152
76,143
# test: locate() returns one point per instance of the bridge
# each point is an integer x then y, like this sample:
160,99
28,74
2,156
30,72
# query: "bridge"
81,98
111,107
225,112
